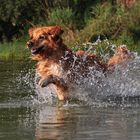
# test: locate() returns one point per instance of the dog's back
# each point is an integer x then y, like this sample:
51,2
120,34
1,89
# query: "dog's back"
122,55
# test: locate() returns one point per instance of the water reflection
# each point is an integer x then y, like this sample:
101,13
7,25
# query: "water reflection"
55,123
90,123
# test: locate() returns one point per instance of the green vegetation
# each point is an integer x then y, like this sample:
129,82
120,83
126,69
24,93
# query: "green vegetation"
83,21
116,23
14,50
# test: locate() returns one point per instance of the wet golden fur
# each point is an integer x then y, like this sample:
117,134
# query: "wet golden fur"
122,56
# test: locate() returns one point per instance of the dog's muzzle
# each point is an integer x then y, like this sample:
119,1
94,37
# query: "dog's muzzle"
34,50
30,44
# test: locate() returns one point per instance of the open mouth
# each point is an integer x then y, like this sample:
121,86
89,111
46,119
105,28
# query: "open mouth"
36,50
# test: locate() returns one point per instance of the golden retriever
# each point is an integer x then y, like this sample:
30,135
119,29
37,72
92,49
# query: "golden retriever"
59,65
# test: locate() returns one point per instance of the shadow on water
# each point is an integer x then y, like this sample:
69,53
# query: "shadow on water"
108,110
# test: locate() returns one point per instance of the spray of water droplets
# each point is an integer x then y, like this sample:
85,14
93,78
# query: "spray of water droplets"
120,87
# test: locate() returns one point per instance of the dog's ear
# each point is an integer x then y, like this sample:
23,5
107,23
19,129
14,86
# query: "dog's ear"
30,31
55,31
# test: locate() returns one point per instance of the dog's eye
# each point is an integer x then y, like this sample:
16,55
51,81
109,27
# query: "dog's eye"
42,37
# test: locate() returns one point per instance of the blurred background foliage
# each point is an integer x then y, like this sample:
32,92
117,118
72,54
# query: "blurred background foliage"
16,16
82,20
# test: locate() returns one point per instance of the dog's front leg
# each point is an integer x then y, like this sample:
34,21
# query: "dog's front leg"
54,80
44,82
61,86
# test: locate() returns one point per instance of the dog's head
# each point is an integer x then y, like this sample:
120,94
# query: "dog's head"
44,41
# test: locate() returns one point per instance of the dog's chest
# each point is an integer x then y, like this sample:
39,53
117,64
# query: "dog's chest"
47,68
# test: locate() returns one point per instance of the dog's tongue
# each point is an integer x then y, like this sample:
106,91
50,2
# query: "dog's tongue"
33,50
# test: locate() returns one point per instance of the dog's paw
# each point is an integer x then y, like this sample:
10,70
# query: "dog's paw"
44,83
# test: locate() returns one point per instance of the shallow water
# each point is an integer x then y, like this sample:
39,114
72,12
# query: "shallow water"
108,111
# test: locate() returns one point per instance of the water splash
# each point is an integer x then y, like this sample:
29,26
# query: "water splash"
121,87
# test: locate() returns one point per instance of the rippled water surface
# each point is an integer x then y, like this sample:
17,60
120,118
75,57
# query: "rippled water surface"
108,111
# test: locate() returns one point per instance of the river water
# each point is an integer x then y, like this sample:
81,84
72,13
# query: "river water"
111,113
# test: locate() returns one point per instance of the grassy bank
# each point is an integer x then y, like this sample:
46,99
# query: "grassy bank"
14,50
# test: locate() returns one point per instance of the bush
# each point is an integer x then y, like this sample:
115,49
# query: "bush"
114,22
62,17
16,50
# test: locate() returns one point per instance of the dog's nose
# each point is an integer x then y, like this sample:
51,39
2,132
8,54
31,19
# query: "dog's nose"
30,44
